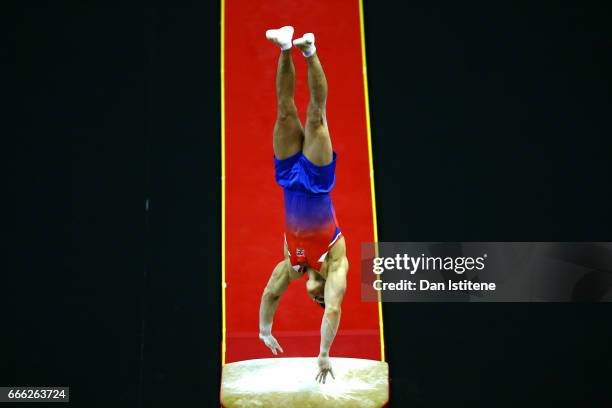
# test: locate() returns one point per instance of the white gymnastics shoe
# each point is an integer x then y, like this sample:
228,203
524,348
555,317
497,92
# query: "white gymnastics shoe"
306,44
281,37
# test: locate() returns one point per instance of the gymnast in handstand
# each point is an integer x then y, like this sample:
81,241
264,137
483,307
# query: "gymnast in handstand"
305,168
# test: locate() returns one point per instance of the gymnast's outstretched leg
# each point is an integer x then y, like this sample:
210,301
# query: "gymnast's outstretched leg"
317,143
288,132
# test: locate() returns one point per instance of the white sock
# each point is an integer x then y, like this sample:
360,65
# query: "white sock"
306,44
281,37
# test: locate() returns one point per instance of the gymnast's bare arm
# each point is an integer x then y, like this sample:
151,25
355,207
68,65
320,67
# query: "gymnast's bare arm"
335,287
277,284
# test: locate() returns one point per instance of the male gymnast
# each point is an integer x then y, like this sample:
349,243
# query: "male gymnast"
305,167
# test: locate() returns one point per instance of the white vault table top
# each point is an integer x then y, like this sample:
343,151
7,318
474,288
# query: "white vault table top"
290,382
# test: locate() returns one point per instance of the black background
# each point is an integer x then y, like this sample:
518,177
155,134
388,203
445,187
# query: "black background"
490,121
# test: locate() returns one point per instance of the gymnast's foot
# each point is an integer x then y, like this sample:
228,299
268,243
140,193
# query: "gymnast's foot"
306,44
281,37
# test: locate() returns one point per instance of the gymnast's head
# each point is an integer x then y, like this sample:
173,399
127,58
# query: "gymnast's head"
315,285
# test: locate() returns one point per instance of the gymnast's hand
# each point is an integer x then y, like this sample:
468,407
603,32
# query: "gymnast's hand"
271,342
324,368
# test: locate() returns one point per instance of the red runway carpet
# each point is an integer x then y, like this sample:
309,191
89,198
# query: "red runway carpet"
254,202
